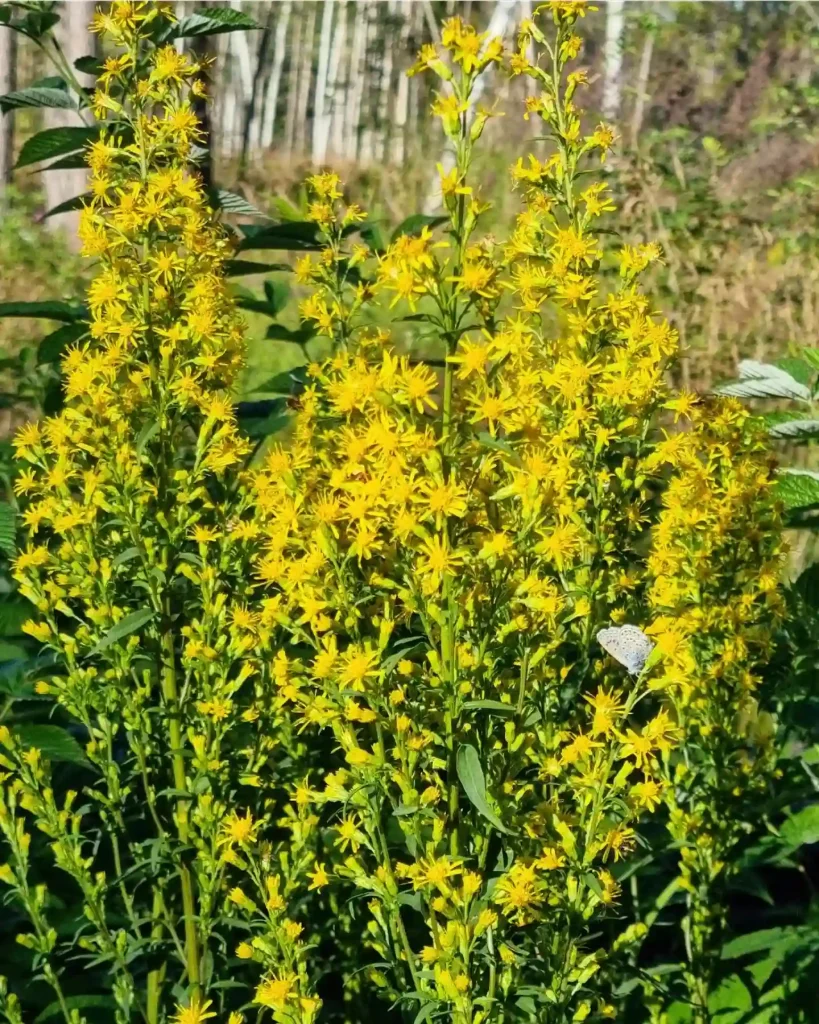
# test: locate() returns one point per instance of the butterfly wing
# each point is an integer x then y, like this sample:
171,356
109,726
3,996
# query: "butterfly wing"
628,645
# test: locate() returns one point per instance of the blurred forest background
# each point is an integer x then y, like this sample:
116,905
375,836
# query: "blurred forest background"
716,106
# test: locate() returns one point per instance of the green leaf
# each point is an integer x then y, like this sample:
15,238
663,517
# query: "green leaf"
231,202
238,268
802,828
54,142
53,345
13,613
807,586
8,529
12,652
811,356
211,22
764,380
470,773
47,310
37,97
75,203
89,65
415,223
490,705
297,236
794,429
72,162
35,24
797,368
426,1011
300,336
762,942
797,488
55,743
130,624
55,1010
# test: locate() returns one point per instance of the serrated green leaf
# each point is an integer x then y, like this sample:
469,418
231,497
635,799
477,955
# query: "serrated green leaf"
130,624
54,142
802,828
471,776
55,743
46,310
794,429
209,22
764,380
37,97
8,529
799,369
232,202
797,488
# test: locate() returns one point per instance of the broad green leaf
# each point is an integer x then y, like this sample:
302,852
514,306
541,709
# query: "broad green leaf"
8,529
210,22
779,939
13,613
797,488
797,368
53,345
75,203
89,65
55,742
297,236
300,336
231,202
238,268
795,429
472,779
130,624
764,380
35,24
54,142
807,586
72,162
12,652
415,223
47,310
803,827
34,97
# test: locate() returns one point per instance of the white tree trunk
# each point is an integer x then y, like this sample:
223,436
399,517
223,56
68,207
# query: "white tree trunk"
338,92
76,41
642,85
356,78
402,93
293,84
8,57
321,107
370,108
386,126
268,123
305,80
613,59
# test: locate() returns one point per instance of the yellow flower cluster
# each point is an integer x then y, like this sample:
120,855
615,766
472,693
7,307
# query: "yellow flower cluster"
138,563
442,552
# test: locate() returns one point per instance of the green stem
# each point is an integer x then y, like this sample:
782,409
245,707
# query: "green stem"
169,690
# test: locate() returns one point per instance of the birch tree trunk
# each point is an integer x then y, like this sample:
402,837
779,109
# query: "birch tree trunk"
271,100
8,70
356,87
250,128
642,83
386,125
305,79
321,107
370,108
338,93
293,85
75,41
402,93
613,59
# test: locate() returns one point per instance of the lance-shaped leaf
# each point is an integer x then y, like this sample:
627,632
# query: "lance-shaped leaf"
8,529
130,624
37,97
46,310
55,142
764,380
472,779
53,742
794,429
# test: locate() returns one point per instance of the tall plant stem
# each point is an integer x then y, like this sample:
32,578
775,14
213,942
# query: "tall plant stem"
171,695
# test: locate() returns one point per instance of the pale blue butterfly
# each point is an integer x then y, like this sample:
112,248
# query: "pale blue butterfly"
627,644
